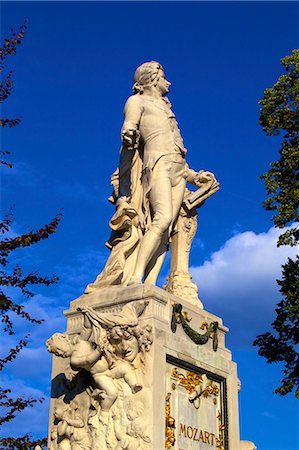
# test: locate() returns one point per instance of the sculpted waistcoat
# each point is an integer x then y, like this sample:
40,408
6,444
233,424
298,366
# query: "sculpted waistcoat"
158,127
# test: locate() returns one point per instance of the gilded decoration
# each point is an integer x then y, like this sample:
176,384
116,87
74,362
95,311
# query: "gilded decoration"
221,428
169,424
181,317
190,382
202,420
197,385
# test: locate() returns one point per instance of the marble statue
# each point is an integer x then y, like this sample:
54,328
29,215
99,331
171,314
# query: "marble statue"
149,185
179,280
131,372
111,348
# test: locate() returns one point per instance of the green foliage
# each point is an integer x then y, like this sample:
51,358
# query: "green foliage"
280,116
12,279
24,443
281,347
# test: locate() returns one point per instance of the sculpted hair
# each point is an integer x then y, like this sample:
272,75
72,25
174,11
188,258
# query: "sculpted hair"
146,75
135,405
56,344
142,333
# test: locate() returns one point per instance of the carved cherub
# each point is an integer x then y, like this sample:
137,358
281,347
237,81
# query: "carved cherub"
110,347
130,428
83,355
123,332
72,432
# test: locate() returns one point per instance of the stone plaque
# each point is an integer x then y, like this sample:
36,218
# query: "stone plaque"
195,407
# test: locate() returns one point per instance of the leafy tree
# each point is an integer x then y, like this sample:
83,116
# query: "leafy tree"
12,278
280,116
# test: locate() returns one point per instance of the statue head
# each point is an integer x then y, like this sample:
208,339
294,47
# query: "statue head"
60,410
60,345
123,330
134,408
128,341
150,74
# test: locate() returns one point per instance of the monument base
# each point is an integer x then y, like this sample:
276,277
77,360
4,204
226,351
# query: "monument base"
177,390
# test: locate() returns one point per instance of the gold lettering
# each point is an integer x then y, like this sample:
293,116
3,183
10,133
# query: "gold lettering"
207,435
197,435
201,436
183,429
188,434
212,436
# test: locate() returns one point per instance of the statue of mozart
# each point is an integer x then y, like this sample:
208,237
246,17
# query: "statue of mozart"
149,185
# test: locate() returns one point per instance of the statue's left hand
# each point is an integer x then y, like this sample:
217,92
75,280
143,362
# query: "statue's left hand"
204,177
199,178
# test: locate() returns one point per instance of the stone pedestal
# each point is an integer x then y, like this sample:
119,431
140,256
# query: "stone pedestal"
188,395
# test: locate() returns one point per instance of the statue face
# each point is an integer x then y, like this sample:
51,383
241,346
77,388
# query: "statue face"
126,346
135,409
59,412
60,345
162,84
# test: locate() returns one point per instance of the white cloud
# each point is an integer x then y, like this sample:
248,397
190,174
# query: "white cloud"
34,362
30,373
238,282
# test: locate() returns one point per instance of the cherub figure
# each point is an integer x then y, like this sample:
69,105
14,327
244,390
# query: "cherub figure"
110,347
86,355
72,433
130,429
125,337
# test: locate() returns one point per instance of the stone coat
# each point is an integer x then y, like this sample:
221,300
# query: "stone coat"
156,122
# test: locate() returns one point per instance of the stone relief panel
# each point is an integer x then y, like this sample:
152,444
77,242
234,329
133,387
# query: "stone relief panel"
102,396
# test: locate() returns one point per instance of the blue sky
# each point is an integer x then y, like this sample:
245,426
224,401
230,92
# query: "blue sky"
74,72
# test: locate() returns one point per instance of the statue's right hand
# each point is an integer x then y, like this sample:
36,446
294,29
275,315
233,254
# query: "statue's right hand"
130,139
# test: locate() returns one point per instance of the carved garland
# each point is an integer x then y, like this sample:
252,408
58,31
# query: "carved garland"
179,317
